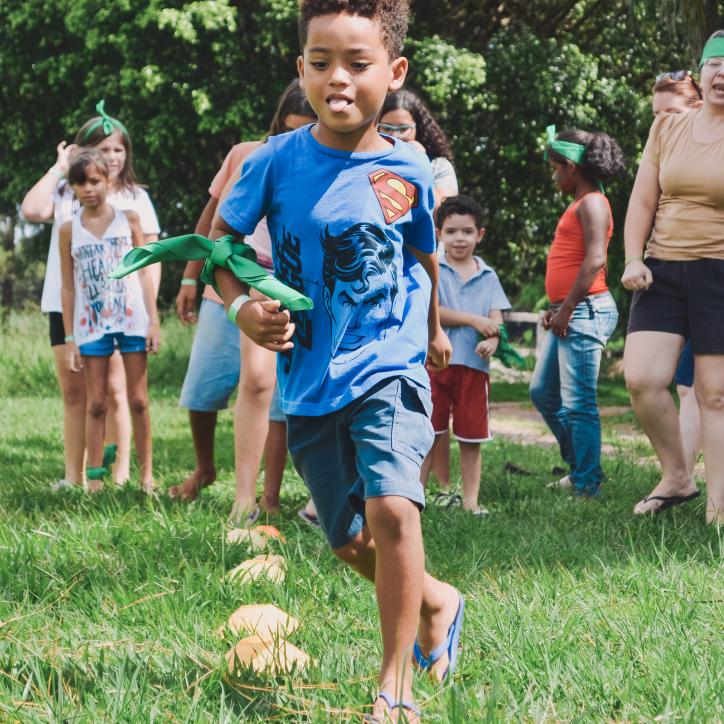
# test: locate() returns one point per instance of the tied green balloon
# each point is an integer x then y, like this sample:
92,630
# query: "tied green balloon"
227,252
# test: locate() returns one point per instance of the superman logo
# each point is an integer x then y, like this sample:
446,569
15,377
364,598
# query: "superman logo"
396,195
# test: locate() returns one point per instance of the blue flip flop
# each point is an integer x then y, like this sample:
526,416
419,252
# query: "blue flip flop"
391,705
449,646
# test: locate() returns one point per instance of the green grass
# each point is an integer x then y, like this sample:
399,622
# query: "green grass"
108,605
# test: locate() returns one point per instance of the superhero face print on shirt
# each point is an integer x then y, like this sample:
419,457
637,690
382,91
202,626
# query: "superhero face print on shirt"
360,287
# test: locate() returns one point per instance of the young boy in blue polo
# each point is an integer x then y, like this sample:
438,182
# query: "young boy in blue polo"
350,216
471,303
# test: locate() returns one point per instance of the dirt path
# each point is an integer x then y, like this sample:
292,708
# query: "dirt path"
521,423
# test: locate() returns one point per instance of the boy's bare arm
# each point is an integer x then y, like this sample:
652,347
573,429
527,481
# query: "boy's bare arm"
439,348
261,321
487,326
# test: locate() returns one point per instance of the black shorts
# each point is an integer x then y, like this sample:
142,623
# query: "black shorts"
685,298
57,330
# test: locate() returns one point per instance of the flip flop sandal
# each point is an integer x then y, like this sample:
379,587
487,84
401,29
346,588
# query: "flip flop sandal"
449,646
312,520
63,484
448,500
404,705
668,501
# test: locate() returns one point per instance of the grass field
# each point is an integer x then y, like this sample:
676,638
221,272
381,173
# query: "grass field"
108,605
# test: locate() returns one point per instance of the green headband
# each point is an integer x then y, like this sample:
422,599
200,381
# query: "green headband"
108,123
713,49
572,151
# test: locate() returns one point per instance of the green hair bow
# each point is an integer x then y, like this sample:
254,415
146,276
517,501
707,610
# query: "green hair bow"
572,151
713,49
106,122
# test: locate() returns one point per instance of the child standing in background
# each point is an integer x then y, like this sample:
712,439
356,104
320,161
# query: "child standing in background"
100,314
471,304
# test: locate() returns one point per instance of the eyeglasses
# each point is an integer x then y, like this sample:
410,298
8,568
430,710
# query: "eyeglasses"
402,130
679,75
714,65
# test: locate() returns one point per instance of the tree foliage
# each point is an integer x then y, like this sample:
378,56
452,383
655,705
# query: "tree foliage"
189,79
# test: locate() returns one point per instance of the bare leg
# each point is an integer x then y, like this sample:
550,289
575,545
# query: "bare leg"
441,459
709,385
251,421
428,462
690,424
470,462
203,431
137,384
275,459
118,419
96,379
650,360
72,388
439,600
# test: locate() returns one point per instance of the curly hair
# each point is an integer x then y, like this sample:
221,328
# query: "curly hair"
462,205
603,159
393,16
428,131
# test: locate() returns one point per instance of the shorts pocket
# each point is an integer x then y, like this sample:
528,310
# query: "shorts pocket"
412,433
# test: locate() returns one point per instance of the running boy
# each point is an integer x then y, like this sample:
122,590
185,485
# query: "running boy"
471,304
349,214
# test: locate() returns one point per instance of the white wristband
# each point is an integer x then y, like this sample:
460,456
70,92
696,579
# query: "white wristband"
235,306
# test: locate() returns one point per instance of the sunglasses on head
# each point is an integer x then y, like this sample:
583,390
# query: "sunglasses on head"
679,75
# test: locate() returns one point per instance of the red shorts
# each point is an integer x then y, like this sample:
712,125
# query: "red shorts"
464,392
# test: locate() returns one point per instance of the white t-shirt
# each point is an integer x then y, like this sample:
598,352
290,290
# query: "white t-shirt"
104,305
64,205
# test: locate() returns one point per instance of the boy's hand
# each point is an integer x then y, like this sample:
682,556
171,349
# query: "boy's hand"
439,351
186,304
487,347
153,338
486,326
73,360
263,323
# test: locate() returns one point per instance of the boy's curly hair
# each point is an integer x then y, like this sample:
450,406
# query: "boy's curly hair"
393,16
462,205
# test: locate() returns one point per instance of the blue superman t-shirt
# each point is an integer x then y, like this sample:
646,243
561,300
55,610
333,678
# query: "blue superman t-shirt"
339,223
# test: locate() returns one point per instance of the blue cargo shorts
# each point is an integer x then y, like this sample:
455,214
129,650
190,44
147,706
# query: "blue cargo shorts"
372,447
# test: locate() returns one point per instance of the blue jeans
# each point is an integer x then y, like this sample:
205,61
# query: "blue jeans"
564,387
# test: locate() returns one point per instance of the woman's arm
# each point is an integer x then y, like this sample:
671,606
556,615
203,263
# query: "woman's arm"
67,295
186,298
640,216
595,218
149,294
38,204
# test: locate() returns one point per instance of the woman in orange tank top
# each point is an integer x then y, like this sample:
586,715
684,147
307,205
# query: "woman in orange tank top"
583,314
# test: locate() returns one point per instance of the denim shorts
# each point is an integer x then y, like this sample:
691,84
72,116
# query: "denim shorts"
372,447
215,362
109,343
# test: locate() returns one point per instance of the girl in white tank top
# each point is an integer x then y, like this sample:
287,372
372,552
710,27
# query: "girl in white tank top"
101,314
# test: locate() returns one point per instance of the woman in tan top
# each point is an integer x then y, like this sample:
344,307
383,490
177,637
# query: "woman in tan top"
677,204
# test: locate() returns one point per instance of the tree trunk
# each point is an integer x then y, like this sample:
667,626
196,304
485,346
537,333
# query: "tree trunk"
7,271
